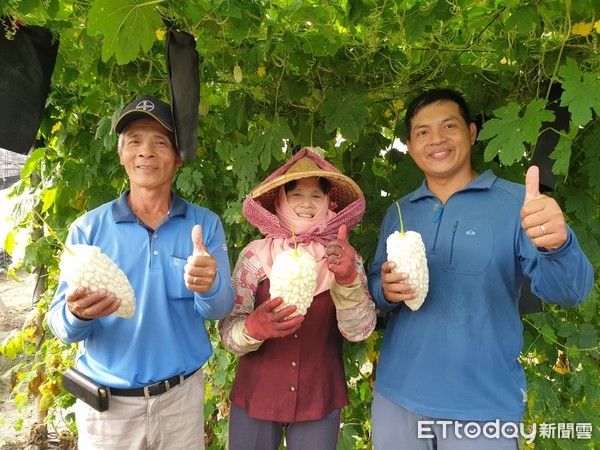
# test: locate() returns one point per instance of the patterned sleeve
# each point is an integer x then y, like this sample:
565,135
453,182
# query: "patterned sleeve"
355,308
247,273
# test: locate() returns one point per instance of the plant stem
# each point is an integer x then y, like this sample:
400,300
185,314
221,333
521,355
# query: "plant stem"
401,222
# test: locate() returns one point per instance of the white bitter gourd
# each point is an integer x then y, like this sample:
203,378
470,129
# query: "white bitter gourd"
407,251
294,279
86,266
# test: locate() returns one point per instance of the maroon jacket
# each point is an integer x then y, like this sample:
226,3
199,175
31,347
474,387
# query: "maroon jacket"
296,378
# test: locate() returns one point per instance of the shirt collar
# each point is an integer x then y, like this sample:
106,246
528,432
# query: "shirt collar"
482,182
123,213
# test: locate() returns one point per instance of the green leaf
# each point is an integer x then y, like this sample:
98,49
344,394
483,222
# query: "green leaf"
9,241
26,6
189,180
11,346
582,205
420,18
269,144
593,169
127,26
346,111
566,330
320,45
561,156
32,162
98,194
74,175
48,198
229,9
509,132
588,337
523,19
581,92
238,29
548,333
235,116
52,7
347,440
245,166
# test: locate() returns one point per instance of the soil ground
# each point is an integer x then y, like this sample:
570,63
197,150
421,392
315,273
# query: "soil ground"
16,296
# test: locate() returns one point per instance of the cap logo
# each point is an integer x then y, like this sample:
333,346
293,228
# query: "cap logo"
145,105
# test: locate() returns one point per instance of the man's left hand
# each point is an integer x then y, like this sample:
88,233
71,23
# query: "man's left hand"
542,218
201,267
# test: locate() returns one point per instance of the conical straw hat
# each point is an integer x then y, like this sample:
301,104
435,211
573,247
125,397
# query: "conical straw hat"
343,191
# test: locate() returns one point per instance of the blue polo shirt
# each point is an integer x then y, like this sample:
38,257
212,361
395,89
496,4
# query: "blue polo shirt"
457,356
167,336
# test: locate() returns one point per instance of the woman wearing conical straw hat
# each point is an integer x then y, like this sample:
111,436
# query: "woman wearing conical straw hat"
290,379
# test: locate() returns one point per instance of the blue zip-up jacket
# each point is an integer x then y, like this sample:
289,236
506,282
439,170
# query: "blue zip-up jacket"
167,336
457,356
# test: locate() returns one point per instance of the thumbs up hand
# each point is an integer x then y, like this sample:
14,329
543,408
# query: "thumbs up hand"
542,218
340,258
201,268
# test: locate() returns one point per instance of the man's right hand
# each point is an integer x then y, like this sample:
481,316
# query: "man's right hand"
88,306
395,285
266,323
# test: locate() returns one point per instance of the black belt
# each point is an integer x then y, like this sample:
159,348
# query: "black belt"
154,389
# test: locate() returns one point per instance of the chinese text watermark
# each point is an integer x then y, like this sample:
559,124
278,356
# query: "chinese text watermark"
509,430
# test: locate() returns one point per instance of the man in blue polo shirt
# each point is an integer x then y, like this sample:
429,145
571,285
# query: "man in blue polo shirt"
448,375
175,257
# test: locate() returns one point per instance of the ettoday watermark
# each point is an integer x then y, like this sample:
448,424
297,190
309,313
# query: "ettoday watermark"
505,430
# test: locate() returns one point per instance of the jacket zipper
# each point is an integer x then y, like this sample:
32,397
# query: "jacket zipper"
437,219
452,241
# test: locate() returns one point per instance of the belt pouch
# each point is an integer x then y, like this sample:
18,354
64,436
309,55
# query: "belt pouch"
85,389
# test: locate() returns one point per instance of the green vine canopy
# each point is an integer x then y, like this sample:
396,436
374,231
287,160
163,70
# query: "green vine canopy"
336,74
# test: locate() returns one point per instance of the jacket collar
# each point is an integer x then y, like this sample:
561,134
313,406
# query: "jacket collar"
482,182
123,213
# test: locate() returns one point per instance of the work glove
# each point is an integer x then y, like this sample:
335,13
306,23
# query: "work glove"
340,258
266,323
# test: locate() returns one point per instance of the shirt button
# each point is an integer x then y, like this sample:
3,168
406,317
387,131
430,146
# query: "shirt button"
293,388
155,252
294,364
295,336
155,236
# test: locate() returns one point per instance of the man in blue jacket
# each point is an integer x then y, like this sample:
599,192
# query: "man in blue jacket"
175,257
454,361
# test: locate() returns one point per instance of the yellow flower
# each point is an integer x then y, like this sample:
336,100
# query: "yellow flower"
261,71
597,26
503,60
56,127
387,113
582,28
160,34
399,104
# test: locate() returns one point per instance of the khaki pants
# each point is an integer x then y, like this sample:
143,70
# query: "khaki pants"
171,421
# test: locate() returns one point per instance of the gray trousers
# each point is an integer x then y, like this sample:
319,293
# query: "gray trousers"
247,433
395,428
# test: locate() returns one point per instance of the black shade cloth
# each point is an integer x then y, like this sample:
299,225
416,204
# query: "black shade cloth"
549,137
184,88
529,303
26,65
